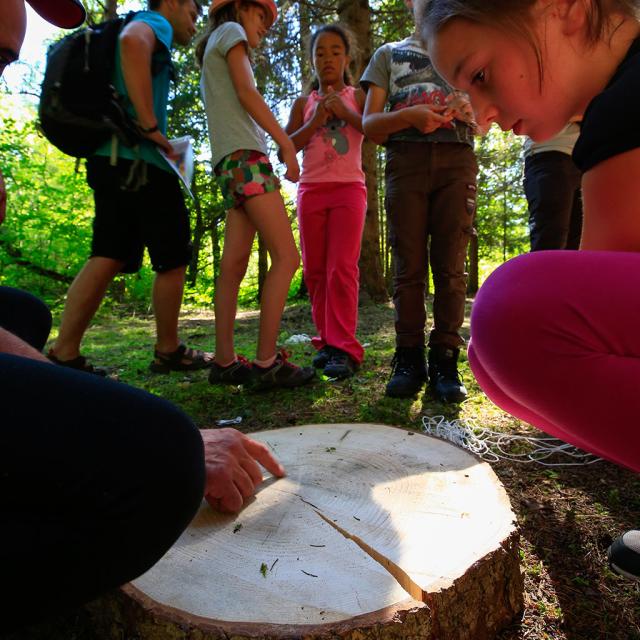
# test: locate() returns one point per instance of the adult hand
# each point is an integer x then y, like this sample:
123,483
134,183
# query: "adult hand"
427,117
333,103
3,199
161,141
288,155
232,472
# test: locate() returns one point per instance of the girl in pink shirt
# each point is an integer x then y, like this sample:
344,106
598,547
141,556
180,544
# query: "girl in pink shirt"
332,199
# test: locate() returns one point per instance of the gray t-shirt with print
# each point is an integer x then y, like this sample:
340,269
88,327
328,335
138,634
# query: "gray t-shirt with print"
231,128
404,70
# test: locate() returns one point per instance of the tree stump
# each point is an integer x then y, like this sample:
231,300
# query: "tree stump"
376,532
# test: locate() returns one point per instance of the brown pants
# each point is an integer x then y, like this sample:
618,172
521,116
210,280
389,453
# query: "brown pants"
430,193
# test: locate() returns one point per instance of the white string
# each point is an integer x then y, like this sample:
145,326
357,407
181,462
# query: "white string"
493,445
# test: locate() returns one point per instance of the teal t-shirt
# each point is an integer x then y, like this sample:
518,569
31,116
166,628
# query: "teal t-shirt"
161,79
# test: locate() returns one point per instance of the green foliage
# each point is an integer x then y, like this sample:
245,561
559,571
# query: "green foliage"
49,206
502,208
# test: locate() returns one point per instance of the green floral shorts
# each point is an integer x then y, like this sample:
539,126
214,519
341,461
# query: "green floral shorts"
243,174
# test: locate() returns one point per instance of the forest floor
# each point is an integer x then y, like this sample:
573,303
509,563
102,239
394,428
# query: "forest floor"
567,515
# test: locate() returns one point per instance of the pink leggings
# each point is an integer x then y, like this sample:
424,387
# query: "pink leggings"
331,218
556,343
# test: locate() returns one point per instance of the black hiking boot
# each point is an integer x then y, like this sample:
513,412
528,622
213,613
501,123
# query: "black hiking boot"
408,372
238,372
341,365
281,373
624,555
444,379
322,357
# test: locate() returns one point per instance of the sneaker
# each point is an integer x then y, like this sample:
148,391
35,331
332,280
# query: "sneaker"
340,365
408,372
238,372
444,379
281,373
624,555
322,357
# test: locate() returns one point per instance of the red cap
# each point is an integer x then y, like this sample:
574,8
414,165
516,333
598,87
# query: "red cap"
67,14
268,5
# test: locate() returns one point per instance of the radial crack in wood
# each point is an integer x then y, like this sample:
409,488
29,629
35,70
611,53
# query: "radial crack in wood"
414,590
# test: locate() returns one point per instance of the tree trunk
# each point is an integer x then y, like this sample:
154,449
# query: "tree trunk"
110,9
375,533
303,292
118,288
199,230
215,251
263,266
474,278
304,19
357,16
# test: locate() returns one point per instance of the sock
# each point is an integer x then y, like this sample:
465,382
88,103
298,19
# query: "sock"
227,364
265,364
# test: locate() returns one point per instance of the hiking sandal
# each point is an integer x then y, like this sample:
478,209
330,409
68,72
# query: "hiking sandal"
182,359
79,364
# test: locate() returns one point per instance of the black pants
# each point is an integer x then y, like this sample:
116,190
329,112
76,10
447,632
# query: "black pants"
155,216
552,186
97,479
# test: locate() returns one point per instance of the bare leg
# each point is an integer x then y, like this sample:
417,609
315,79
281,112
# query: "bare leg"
269,217
168,288
238,240
83,299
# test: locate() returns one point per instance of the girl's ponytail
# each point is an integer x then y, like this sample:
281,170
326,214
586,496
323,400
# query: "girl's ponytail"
201,43
228,13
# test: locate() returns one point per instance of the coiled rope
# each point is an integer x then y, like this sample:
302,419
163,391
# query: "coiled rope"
493,446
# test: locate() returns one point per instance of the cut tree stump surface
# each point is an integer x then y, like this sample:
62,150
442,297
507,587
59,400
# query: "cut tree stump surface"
374,528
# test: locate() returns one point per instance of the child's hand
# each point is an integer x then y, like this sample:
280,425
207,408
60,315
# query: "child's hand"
288,156
427,117
333,103
320,115
460,107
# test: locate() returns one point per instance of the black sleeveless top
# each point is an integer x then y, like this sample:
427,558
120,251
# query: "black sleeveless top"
611,123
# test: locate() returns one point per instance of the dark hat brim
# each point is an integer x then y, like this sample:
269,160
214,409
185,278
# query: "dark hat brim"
66,14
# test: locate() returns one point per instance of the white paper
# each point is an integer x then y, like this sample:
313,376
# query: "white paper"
183,165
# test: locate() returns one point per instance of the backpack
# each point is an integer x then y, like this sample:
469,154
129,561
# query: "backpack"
79,106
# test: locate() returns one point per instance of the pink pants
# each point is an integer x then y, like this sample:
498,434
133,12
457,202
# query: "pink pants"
331,218
556,343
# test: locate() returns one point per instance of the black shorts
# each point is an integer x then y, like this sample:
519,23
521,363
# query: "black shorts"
126,222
